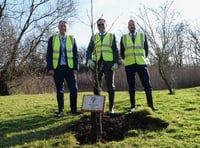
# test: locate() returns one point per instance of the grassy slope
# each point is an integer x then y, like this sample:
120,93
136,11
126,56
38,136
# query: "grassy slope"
28,120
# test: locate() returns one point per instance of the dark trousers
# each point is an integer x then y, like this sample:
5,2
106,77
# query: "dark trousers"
144,78
104,68
143,74
65,73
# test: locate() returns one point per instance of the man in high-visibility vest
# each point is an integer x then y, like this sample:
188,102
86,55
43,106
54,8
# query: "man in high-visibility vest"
102,58
134,51
62,64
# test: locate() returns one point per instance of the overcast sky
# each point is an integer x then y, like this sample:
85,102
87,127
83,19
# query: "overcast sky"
123,10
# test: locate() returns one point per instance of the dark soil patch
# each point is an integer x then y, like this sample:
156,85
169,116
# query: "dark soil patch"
116,126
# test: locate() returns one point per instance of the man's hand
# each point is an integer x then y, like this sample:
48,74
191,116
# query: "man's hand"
50,72
121,63
75,72
90,64
114,67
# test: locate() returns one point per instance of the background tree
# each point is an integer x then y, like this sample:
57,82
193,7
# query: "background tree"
164,32
2,7
82,60
24,27
194,40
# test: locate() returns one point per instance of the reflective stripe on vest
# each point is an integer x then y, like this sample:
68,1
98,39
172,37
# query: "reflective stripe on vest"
56,50
103,47
134,51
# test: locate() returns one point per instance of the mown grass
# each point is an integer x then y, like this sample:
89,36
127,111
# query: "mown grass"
28,121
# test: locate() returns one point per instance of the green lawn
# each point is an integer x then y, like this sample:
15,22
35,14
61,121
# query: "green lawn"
28,121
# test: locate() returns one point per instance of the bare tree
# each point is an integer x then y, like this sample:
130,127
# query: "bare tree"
178,50
96,131
31,23
194,40
164,33
2,7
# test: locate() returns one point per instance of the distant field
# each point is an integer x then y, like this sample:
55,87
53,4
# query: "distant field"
28,121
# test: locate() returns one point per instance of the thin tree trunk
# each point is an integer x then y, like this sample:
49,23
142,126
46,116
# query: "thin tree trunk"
3,87
164,77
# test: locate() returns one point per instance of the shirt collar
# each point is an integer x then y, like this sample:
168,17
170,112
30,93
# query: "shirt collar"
102,33
132,33
62,36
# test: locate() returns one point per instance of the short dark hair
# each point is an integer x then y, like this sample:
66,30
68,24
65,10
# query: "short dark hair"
62,21
131,20
101,19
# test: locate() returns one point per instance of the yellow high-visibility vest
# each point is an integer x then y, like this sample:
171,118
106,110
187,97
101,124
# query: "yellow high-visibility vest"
56,50
134,51
103,47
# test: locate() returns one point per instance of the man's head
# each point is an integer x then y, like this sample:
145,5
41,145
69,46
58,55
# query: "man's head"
131,26
101,24
62,26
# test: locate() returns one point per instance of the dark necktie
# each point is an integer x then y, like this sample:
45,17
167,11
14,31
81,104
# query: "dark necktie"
133,37
101,36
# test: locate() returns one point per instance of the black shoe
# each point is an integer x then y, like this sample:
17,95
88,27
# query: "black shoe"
75,112
59,114
153,108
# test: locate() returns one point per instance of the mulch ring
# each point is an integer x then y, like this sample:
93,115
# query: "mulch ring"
115,127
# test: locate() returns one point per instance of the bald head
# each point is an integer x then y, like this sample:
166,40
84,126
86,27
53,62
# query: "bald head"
131,26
